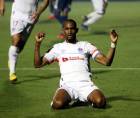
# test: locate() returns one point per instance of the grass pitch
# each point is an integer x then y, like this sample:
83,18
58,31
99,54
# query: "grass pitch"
31,97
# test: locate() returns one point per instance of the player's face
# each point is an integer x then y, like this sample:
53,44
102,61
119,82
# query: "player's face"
70,31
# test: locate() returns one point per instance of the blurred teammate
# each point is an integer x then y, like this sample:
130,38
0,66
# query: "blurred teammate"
2,8
73,57
100,8
51,7
25,14
61,11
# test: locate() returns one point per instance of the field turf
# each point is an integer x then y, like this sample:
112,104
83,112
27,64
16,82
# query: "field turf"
31,97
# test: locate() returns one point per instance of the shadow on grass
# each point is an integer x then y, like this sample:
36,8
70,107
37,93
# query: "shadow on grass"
31,78
124,98
81,104
97,72
108,105
118,98
34,77
101,71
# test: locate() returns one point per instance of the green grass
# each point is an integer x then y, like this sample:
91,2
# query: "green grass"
31,97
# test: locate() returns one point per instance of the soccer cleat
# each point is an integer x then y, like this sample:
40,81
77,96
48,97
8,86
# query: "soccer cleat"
85,18
61,36
51,17
84,27
13,78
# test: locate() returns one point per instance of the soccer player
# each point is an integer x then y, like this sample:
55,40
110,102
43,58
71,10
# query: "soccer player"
61,10
100,8
24,16
73,57
2,7
51,8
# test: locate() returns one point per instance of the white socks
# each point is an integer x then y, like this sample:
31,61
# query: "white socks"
92,18
13,55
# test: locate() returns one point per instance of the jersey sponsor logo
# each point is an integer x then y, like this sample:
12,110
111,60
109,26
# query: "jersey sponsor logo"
64,59
80,50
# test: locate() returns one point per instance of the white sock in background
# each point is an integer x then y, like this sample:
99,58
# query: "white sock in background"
92,18
13,55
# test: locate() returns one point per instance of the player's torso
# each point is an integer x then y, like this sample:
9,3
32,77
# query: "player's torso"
73,58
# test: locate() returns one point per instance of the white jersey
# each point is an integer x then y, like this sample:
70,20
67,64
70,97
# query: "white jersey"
23,9
73,58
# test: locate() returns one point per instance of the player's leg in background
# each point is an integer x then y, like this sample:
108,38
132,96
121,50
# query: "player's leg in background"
64,17
20,32
51,8
100,7
62,8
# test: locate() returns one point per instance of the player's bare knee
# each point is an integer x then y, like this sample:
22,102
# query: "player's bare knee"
57,104
97,99
99,103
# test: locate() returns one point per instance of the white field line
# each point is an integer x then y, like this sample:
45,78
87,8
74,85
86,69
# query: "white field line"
35,69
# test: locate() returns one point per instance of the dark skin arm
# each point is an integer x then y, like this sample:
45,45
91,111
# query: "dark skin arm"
2,7
40,9
38,60
108,59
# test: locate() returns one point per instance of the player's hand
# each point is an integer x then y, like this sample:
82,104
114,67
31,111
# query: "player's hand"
113,36
2,10
2,7
35,17
39,37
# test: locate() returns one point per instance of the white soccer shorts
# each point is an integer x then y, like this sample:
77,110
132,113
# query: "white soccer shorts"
78,90
18,26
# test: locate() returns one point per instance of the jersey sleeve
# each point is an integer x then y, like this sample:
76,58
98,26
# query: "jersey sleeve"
51,55
92,50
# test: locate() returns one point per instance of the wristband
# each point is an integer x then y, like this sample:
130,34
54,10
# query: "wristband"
113,45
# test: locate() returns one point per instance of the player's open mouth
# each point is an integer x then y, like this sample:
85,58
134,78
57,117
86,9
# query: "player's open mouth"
70,36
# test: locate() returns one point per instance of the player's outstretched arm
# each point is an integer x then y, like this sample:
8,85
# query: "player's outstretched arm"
38,60
2,7
108,59
40,9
